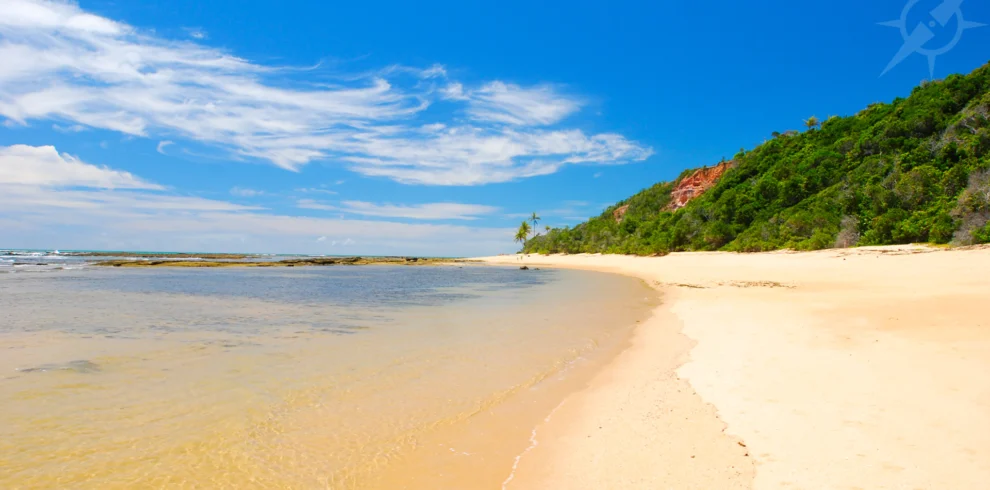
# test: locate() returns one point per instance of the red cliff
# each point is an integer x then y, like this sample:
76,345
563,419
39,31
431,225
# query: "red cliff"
695,184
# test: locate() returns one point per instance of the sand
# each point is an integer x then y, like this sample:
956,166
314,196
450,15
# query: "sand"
844,369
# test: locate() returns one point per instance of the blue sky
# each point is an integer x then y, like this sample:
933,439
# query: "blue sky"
407,127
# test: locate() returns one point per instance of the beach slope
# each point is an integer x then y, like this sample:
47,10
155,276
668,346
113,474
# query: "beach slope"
838,369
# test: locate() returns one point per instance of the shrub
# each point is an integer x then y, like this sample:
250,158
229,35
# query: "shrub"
848,233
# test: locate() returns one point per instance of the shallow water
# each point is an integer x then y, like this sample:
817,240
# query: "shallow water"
335,377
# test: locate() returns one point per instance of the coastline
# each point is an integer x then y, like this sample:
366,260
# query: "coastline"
856,368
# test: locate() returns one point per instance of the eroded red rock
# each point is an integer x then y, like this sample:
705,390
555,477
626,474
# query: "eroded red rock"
695,184
619,213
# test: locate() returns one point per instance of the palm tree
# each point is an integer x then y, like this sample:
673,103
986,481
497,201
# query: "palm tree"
811,122
535,218
547,228
523,234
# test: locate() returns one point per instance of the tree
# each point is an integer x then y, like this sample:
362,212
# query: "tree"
523,234
535,218
547,228
892,173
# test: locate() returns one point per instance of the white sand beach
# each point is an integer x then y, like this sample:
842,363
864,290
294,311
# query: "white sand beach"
863,368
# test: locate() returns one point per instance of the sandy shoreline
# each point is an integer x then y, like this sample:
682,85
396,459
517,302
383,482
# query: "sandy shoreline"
863,368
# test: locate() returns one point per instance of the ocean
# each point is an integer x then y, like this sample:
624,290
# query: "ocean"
319,377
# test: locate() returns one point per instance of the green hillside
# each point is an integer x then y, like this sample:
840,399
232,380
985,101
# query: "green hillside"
914,170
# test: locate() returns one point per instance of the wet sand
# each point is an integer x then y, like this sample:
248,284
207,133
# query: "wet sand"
844,369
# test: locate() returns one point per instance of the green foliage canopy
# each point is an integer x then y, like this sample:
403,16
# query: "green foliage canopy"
913,170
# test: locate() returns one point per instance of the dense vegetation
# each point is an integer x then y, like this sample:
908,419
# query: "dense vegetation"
914,170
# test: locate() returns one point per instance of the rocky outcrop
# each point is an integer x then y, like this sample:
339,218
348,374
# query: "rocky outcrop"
695,184
304,262
619,213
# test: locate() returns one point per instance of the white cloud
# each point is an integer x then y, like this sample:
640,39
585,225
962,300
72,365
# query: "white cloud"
108,203
321,239
435,71
313,204
44,166
428,211
454,91
196,33
473,156
90,207
51,15
315,190
63,64
76,128
243,192
162,145
511,104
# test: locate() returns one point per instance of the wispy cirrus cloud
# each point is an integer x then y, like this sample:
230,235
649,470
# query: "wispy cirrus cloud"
472,155
48,198
245,192
315,190
64,64
315,205
195,32
511,104
428,211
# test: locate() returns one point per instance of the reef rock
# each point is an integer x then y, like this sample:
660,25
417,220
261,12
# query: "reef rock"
82,366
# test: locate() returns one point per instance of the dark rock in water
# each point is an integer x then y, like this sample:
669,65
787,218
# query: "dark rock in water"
82,366
524,268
